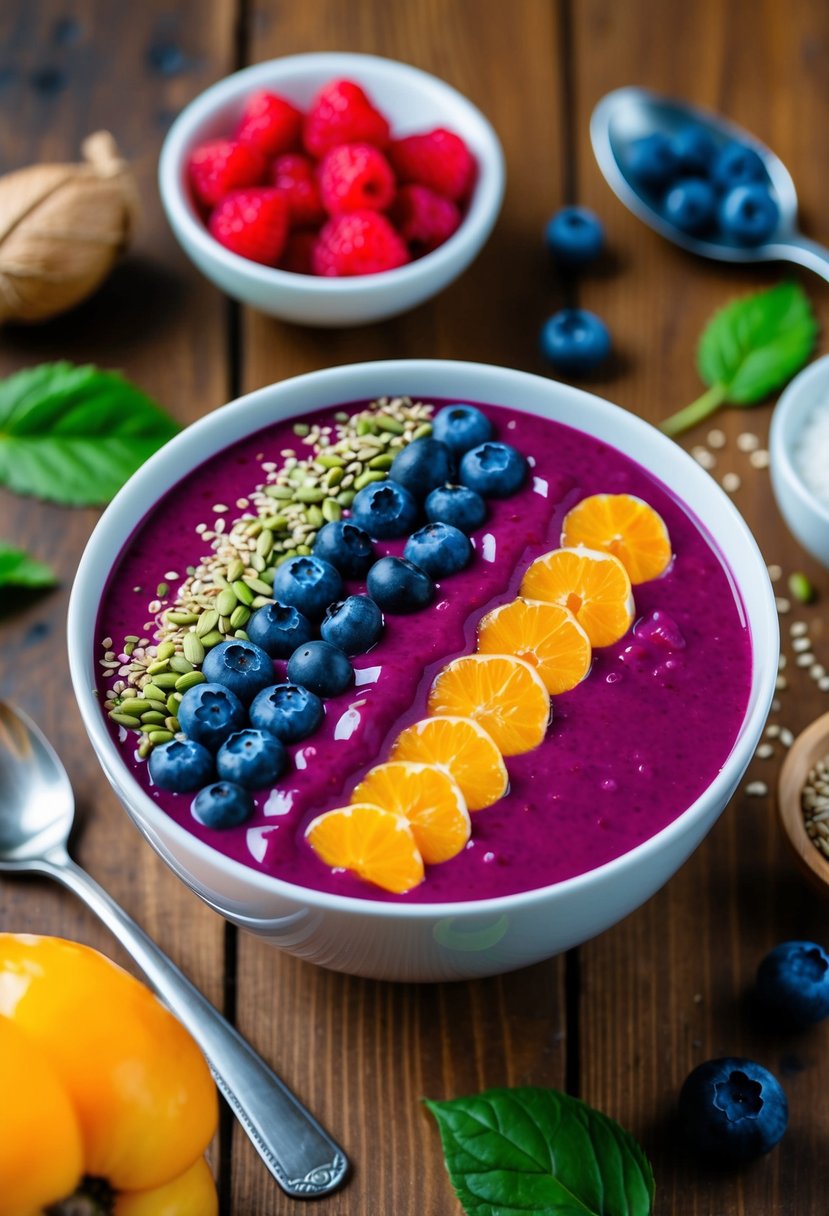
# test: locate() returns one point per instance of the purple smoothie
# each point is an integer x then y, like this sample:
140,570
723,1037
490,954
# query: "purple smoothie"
628,750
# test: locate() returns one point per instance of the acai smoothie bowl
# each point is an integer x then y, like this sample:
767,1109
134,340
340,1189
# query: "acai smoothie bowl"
420,669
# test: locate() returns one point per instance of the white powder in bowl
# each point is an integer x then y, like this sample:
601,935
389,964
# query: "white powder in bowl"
811,452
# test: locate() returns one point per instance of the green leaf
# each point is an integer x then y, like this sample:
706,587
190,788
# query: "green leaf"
17,569
511,1152
75,434
748,349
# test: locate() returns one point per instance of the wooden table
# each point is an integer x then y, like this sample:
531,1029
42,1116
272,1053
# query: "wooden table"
622,1020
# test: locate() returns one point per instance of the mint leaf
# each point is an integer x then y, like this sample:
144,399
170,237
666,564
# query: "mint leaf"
75,434
511,1152
17,569
748,349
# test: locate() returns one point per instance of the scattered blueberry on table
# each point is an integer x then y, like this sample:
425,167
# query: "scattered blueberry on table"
208,713
251,758
733,1109
288,711
224,804
793,982
279,629
353,624
322,668
457,506
575,341
575,237
399,586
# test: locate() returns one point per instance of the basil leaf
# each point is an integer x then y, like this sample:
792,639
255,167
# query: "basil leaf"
75,434
757,343
17,569
511,1152
748,349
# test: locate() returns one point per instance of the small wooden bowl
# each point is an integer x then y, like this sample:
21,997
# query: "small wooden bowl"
809,747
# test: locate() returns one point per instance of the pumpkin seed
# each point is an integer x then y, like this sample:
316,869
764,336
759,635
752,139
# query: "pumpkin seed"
383,461
160,736
329,461
167,679
179,664
334,478
301,429
366,426
208,620
134,706
241,635
189,680
258,586
345,498
260,601
315,517
153,717
331,510
239,617
211,639
172,723
123,719
386,423
366,479
153,693
158,666
225,602
144,748
193,649
422,431
243,592
166,650
309,494
173,702
235,570
264,544
279,492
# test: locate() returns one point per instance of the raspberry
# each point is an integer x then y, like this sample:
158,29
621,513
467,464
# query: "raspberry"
270,124
438,159
252,223
221,166
358,242
423,218
295,175
342,114
298,253
355,177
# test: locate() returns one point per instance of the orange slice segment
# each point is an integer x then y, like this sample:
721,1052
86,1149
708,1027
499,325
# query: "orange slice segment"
376,844
461,748
428,798
547,636
625,526
594,586
504,694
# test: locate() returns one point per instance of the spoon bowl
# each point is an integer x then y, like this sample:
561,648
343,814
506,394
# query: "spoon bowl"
628,114
809,747
36,815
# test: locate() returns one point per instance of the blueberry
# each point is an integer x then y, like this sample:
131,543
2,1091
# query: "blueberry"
181,765
278,629
353,624
574,236
494,470
461,427
222,805
690,204
398,585
346,547
384,509
748,214
456,505
288,711
652,161
421,465
733,1109
695,149
241,666
251,758
439,549
793,982
209,713
575,341
737,165
322,668
309,583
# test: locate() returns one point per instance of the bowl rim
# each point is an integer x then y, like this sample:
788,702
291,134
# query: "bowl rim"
786,425
483,209
501,380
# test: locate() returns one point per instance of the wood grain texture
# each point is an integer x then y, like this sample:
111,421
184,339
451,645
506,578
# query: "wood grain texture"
67,69
669,987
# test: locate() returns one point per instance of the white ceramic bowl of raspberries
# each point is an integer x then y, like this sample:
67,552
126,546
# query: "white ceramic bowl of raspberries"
429,940
331,189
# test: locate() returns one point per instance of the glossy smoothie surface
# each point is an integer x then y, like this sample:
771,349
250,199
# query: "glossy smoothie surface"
628,750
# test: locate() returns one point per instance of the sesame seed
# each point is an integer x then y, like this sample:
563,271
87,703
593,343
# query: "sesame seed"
823,684
703,457
747,442
772,731
764,752
716,439
775,573
800,644
756,789
759,459
781,662
786,737
781,683
219,508
798,628
783,605
805,660
775,705
731,483
817,671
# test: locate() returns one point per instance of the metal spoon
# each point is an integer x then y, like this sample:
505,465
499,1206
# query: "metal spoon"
627,114
36,814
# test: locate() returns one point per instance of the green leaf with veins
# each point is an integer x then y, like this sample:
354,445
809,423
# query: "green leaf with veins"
17,569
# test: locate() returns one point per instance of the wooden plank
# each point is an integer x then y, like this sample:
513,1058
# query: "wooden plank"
66,70
362,1054
668,987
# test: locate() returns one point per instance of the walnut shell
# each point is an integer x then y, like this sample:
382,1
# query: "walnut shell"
62,227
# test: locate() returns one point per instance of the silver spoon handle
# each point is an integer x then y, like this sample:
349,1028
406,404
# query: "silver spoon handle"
803,252
303,1158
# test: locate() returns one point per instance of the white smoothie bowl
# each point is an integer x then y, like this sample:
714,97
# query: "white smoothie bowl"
412,101
447,940
805,514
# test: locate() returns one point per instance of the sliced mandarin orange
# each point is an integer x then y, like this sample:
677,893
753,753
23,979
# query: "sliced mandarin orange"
547,636
594,586
504,694
376,844
625,526
427,797
461,748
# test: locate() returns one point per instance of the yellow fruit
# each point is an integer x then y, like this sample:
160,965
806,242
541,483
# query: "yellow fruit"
547,636
504,694
624,526
428,798
463,749
594,586
377,845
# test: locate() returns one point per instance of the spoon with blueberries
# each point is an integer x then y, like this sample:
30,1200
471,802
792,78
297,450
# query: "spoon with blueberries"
700,181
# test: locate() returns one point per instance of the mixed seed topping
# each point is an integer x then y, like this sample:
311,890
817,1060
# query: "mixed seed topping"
312,484
814,802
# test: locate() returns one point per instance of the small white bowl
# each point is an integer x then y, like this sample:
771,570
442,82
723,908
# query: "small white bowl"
412,101
438,940
806,516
